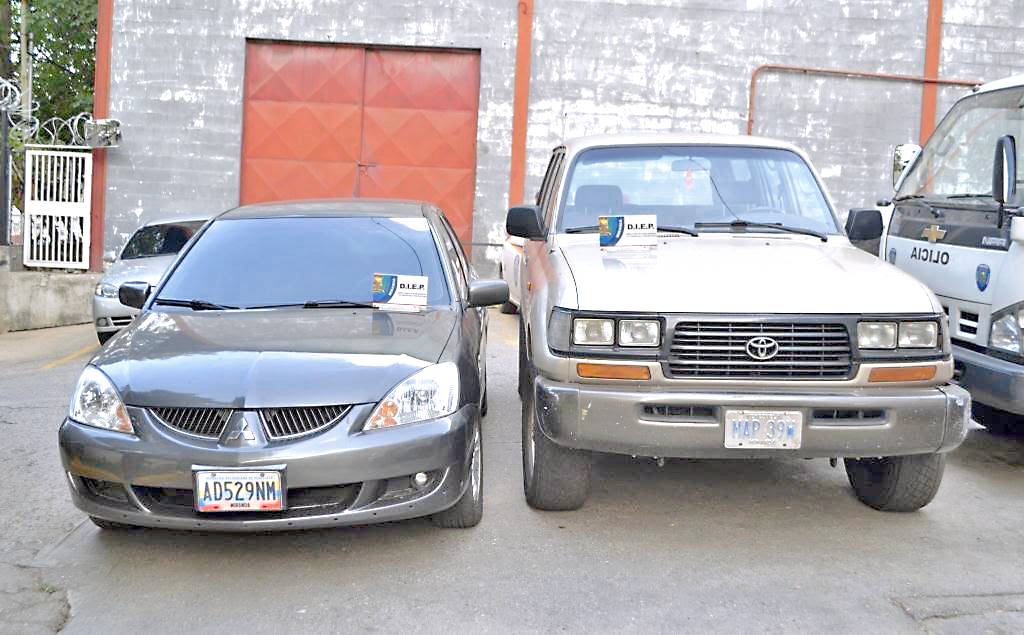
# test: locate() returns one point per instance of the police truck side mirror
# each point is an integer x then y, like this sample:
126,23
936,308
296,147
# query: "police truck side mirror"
524,221
902,156
1004,170
864,224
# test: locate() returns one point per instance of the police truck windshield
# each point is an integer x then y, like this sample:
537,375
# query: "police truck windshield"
957,161
691,185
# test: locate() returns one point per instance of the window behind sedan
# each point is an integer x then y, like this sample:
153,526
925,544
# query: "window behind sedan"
251,262
684,185
159,240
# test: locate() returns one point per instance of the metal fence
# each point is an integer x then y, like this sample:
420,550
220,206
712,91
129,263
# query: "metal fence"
58,191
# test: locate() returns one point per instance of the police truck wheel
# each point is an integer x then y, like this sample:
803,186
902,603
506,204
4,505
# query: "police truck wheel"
896,483
554,478
996,421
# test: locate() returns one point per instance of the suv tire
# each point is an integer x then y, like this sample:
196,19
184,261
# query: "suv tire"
525,370
468,511
896,483
554,478
998,422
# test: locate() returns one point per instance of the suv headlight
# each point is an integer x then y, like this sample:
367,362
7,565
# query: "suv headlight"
96,403
890,335
593,331
106,290
564,329
430,393
1005,333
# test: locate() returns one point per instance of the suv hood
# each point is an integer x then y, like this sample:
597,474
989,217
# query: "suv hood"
752,273
271,358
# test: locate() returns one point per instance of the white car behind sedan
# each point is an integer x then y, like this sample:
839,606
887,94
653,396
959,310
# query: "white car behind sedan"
509,270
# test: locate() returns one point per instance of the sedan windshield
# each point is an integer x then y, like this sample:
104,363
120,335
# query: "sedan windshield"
160,240
686,186
315,261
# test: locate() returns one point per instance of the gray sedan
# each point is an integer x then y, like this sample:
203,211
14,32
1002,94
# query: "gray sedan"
146,256
301,365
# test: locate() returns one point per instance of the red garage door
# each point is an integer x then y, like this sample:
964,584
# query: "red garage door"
325,121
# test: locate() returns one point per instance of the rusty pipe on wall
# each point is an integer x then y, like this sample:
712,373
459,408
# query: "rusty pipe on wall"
810,70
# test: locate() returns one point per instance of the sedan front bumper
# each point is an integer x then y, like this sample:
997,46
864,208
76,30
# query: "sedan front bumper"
109,315
991,381
850,422
338,477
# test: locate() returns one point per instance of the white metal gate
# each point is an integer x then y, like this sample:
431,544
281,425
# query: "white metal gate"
58,192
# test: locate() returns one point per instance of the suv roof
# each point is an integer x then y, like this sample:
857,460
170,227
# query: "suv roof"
330,207
674,138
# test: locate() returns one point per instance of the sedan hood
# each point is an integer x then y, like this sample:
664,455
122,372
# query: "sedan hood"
271,358
740,274
138,270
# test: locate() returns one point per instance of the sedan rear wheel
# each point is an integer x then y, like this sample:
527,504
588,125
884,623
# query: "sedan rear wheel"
470,508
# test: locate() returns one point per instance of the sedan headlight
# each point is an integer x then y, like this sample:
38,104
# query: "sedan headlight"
106,290
1005,333
639,332
876,335
428,394
96,403
593,331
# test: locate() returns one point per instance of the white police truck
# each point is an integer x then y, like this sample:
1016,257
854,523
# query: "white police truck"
957,224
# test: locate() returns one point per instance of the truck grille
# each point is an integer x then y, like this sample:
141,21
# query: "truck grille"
201,422
718,350
284,423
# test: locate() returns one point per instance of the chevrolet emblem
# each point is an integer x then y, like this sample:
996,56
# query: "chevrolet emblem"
933,233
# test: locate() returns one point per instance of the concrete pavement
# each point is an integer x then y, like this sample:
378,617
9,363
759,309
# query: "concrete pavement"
728,546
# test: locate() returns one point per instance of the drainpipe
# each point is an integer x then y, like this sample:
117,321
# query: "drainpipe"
100,110
932,52
521,102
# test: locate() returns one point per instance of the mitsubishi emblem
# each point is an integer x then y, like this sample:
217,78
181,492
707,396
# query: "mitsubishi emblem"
241,431
933,233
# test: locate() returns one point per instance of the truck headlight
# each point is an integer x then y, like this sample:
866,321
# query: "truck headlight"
106,290
639,332
593,331
1005,333
876,335
918,334
97,403
430,393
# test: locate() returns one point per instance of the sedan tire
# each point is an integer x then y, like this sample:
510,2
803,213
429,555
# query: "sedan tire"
470,508
555,478
896,483
103,337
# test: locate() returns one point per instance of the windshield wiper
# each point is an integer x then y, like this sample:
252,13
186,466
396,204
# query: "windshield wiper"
195,305
335,304
986,195
662,228
936,212
745,224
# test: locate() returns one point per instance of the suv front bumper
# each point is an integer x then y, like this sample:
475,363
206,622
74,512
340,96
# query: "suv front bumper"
612,418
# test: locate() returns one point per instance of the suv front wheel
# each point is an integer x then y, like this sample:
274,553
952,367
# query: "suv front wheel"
896,483
555,478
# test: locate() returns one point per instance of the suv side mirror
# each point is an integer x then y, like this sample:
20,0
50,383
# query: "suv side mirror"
524,221
134,294
487,292
864,224
902,156
1004,170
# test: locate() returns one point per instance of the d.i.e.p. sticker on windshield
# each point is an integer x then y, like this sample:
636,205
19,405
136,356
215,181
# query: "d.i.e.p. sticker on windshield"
396,292
639,230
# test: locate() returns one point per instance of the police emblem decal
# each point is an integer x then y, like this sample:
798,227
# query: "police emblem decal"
982,276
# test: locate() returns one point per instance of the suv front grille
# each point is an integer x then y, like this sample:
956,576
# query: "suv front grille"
285,423
201,422
718,350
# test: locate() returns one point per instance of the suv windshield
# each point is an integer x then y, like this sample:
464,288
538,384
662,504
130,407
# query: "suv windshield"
686,185
283,261
958,157
160,240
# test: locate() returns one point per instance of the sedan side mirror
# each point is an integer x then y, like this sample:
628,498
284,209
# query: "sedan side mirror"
902,156
134,294
524,221
864,224
1004,170
488,292
109,256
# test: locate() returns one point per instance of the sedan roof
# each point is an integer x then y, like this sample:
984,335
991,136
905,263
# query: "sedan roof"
330,207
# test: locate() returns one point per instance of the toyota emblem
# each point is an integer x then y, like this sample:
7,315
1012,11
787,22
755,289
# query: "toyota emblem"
762,348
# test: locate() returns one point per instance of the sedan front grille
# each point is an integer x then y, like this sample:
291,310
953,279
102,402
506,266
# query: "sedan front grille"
718,350
285,423
201,422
